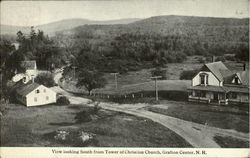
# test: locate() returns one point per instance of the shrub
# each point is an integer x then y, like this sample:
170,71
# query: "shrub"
220,58
230,58
201,60
3,108
188,74
45,79
159,72
62,101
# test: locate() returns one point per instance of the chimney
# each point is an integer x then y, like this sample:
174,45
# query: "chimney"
24,79
33,79
213,59
244,66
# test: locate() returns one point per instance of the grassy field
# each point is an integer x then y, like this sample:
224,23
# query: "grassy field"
227,117
229,142
36,126
136,81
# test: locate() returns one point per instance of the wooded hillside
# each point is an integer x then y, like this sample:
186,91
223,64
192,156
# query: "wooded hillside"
160,40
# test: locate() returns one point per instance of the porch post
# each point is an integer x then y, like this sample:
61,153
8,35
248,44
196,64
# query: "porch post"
225,97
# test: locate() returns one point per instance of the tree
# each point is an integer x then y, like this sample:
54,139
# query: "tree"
45,79
188,74
159,72
41,48
91,80
5,73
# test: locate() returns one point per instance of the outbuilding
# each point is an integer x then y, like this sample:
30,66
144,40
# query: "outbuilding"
34,94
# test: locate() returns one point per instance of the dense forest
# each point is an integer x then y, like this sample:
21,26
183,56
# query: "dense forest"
156,40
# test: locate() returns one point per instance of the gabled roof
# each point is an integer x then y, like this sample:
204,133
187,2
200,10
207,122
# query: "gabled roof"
31,64
219,70
27,88
244,77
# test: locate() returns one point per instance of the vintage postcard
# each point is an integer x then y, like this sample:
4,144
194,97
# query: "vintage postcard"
124,78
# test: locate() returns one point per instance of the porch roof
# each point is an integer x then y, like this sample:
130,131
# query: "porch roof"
225,89
236,89
208,88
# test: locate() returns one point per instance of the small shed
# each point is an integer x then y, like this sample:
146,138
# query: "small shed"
34,94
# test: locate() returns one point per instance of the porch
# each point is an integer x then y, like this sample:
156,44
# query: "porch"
208,94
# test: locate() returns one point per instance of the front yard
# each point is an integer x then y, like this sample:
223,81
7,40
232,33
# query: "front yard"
226,117
36,126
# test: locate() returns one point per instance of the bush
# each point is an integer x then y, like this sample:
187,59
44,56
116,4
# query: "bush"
201,60
188,74
62,101
159,72
220,58
45,79
230,58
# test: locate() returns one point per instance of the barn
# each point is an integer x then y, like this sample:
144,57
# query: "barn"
34,94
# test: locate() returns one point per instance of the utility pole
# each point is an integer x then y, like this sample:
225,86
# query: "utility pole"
115,74
74,71
156,87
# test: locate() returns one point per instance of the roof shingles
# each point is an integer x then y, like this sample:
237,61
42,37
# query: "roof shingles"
219,70
27,88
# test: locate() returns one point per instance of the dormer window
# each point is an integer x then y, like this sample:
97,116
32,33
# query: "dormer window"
236,80
204,79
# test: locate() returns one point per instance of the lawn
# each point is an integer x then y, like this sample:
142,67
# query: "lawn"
36,126
230,142
226,117
136,81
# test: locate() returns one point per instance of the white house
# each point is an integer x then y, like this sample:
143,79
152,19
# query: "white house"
31,72
216,83
33,94
30,68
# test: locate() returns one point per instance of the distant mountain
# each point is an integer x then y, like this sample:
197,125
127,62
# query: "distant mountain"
53,27
198,28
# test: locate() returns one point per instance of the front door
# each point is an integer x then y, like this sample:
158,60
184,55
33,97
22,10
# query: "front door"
216,96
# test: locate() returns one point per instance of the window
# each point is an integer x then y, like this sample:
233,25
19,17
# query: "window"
204,79
203,94
44,90
35,99
236,80
234,95
37,91
47,97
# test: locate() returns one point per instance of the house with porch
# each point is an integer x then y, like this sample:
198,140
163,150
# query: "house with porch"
215,83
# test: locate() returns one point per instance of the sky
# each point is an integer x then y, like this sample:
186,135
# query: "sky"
27,13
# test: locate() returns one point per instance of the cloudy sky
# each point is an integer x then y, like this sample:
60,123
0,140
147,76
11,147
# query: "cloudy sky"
24,13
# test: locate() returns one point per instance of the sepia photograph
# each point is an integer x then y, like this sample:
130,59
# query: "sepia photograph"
125,74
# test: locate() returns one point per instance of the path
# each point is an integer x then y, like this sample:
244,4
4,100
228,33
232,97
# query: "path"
197,135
